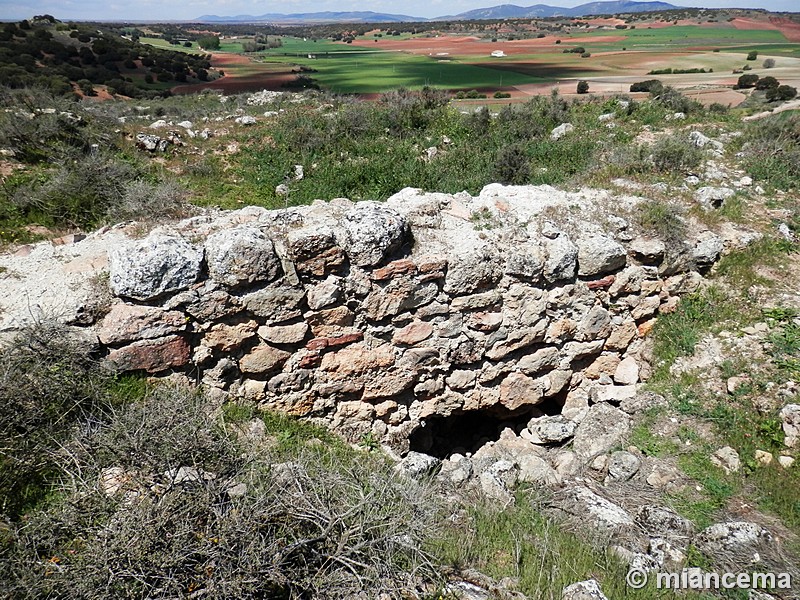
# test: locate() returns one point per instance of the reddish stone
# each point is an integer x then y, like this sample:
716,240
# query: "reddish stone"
413,333
330,342
398,267
130,323
152,356
600,284
312,359
262,359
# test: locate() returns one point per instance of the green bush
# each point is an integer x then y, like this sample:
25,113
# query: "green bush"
766,83
747,81
651,85
676,153
752,55
772,150
781,93
512,165
583,87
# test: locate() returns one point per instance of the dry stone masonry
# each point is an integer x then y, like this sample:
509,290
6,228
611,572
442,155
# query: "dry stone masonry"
417,322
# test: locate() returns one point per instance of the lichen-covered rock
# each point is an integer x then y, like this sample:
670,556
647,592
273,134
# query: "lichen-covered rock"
603,428
790,417
739,537
157,265
371,232
314,250
707,250
562,257
583,590
241,256
596,512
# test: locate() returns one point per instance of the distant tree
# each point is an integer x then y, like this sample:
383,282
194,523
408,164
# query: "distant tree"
210,42
583,87
747,81
781,93
752,55
769,63
766,83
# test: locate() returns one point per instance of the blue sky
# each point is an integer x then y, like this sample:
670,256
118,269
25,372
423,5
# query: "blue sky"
188,9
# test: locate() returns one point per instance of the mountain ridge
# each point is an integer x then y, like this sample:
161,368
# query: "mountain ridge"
500,11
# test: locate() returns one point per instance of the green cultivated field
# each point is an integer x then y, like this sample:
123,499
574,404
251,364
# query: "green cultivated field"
374,72
678,36
162,43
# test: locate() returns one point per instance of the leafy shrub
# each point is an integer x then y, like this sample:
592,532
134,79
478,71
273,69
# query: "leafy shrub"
75,195
650,85
512,165
675,153
143,200
772,150
767,83
781,93
499,94
662,219
752,55
48,382
747,81
583,87
769,63
673,100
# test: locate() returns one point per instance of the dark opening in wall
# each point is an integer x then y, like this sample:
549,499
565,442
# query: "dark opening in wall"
468,431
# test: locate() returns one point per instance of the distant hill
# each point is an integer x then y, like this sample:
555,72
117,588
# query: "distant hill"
315,17
501,11
512,11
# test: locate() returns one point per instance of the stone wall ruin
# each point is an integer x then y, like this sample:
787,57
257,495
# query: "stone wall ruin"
424,322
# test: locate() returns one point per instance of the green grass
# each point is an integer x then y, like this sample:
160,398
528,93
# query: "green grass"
740,266
521,542
677,334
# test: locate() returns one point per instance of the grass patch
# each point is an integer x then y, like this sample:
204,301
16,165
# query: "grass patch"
521,542
740,266
677,334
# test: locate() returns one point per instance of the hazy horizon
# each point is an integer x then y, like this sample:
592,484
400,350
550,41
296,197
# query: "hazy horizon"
155,10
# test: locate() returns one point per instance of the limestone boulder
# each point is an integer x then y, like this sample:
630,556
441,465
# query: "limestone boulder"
598,255
126,323
371,232
241,256
603,428
157,265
